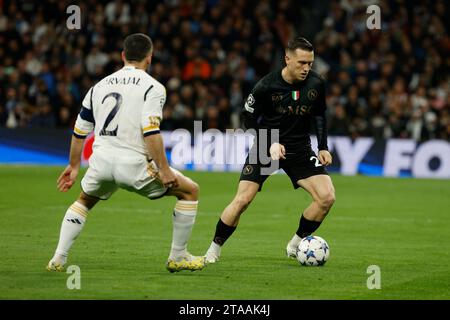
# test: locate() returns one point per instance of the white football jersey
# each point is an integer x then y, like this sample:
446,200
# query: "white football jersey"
121,109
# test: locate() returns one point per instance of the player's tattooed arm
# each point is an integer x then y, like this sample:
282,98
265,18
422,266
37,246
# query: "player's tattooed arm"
320,118
322,132
325,157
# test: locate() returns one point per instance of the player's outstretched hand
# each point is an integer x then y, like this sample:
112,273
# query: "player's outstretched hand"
277,151
325,157
67,178
168,178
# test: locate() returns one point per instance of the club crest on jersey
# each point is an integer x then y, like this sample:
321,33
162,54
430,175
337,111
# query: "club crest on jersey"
312,94
248,169
295,95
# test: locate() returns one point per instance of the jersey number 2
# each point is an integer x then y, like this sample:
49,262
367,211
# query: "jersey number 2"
317,164
112,114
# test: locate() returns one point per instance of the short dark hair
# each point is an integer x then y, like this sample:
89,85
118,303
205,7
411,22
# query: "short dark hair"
137,46
299,43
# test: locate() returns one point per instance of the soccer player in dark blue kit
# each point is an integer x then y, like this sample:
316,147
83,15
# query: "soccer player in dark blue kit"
288,100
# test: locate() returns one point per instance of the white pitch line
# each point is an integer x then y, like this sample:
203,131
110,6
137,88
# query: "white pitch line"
379,219
127,209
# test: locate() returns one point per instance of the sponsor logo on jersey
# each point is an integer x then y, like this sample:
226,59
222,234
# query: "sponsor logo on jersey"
294,110
277,97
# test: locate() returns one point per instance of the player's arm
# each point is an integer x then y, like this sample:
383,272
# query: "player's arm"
254,105
252,110
69,175
155,146
154,100
83,126
321,129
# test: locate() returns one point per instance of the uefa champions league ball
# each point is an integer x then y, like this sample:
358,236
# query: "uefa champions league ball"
313,251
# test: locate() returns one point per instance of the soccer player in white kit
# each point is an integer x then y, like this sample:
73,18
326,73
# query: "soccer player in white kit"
125,109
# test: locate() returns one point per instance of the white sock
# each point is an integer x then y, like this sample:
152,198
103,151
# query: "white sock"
183,221
214,248
295,241
71,227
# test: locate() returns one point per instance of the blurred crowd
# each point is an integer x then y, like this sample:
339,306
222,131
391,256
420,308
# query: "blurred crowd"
392,82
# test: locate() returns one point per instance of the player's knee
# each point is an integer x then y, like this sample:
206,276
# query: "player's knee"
88,201
326,200
192,191
242,202
195,190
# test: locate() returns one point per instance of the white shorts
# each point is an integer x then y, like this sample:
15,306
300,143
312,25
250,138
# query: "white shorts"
109,171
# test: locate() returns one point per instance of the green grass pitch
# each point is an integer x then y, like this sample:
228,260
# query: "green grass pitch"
400,225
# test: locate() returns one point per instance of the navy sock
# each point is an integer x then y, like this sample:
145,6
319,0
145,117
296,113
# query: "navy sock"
306,227
223,232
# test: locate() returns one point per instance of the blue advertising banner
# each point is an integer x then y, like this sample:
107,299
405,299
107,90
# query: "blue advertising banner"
213,150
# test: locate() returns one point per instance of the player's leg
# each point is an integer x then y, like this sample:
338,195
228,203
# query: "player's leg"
145,182
96,184
72,224
229,219
183,219
321,189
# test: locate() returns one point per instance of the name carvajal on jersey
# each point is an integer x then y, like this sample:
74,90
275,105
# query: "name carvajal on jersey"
124,80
